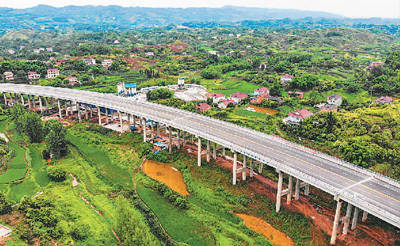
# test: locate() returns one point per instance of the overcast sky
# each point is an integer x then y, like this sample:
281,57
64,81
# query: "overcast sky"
349,8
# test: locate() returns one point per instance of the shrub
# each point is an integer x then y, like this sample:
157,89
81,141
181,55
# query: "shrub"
80,231
5,205
56,174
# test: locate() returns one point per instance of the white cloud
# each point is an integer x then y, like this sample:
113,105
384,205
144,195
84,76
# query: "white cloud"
350,8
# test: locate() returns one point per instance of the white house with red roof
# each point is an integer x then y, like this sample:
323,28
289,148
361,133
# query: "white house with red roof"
106,63
375,64
89,61
286,79
297,116
202,107
261,91
238,96
384,100
217,97
72,80
33,75
52,73
8,76
225,103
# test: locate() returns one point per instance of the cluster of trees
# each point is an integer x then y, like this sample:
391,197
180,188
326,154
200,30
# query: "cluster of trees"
161,93
30,124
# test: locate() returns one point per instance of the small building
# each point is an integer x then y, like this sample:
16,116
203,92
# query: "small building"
116,41
89,61
326,107
335,99
262,90
126,89
49,49
238,96
384,100
106,63
72,80
8,76
375,64
33,75
37,51
203,107
181,82
52,73
150,53
297,116
11,51
298,94
226,103
286,79
218,97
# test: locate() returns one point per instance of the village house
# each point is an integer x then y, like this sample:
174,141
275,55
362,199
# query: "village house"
326,107
11,51
286,79
52,73
8,76
298,94
116,41
33,75
335,99
384,100
260,91
49,49
218,97
375,64
89,61
225,103
106,63
149,53
202,107
37,51
238,96
72,80
297,116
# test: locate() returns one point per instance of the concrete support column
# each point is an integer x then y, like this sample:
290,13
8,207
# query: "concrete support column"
45,100
234,171
59,109
78,108
215,151
223,151
144,130
198,151
22,100
5,99
244,170
158,129
99,114
91,111
297,190
336,221
364,216
152,130
184,139
29,101
307,190
260,167
86,112
290,190
347,218
279,192
120,121
355,218
134,121
170,139
208,151
179,138
251,168
40,105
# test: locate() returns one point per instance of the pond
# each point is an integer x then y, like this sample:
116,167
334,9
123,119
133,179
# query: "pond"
269,111
166,174
273,235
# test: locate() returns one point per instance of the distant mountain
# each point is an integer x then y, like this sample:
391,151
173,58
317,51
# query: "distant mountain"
98,18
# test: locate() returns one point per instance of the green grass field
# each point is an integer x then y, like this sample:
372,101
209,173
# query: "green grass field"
227,87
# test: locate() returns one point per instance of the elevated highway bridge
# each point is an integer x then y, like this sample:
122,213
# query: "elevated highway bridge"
361,189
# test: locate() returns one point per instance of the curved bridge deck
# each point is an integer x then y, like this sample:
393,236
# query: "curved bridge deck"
371,192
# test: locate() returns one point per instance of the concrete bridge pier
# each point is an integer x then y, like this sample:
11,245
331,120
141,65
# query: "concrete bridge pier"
307,190
297,190
46,101
208,151
244,169
214,151
336,220
158,129
40,105
347,219
98,113
355,218
170,139
198,151
59,108
234,170
5,99
251,168
364,216
290,190
144,130
120,121
179,138
223,151
22,100
78,108
279,191
29,101
260,168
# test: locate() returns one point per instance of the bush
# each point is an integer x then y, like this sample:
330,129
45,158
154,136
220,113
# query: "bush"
80,231
5,205
45,154
56,174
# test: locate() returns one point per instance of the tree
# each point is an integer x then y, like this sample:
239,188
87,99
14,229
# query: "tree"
5,205
32,126
56,174
55,138
131,228
161,93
